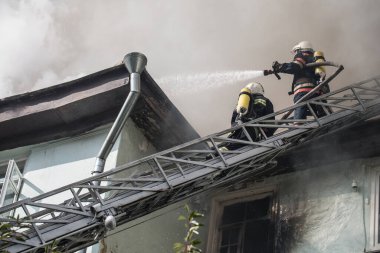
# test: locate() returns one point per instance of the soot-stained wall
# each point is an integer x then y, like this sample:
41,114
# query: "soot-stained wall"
314,210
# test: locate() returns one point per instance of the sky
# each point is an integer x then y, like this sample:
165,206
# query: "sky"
47,42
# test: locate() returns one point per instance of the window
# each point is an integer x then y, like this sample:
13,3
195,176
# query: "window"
242,224
10,182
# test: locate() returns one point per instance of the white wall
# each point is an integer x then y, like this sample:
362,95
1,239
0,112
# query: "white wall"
59,163
56,164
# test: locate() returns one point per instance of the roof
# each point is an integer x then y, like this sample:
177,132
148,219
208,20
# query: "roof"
74,107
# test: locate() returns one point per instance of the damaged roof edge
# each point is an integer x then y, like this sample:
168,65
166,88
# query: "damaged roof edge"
74,107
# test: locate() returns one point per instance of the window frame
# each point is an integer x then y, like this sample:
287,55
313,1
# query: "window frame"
220,201
8,182
374,210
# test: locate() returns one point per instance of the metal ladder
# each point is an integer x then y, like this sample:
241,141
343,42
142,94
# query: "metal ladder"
140,187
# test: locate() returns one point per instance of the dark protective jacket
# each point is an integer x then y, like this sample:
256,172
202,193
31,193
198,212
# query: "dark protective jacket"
259,106
304,79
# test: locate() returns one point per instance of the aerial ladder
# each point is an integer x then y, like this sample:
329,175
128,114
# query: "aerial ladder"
99,203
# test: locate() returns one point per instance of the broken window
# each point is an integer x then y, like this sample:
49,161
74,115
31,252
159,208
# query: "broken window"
242,222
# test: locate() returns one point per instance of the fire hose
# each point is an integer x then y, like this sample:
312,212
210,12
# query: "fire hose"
316,88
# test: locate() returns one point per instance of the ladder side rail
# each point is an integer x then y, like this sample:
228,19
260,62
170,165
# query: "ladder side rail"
176,180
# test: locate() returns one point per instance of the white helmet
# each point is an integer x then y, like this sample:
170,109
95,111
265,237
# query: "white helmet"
256,88
303,46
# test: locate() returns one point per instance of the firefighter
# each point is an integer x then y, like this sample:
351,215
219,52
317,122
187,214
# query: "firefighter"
305,79
251,105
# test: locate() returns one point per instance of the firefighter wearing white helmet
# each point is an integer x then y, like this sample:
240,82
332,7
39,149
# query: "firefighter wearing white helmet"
304,79
303,46
256,88
245,97
251,105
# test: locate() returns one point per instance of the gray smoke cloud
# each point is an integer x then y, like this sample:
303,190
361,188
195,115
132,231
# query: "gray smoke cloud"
46,42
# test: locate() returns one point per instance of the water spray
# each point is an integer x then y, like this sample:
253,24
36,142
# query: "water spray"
181,84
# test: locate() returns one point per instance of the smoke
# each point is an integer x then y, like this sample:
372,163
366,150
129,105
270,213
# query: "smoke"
29,47
45,42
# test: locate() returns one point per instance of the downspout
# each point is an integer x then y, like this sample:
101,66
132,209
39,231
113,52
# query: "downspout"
135,64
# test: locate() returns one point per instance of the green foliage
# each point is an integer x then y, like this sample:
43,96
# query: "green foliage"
52,248
13,230
190,243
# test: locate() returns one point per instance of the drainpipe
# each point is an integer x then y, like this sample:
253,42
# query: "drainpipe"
135,64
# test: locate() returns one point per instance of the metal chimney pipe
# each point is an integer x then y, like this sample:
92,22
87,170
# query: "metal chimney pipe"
135,64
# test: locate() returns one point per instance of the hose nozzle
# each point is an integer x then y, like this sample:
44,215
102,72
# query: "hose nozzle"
268,72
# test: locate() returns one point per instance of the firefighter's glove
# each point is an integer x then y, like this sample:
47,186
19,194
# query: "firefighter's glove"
276,67
268,72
